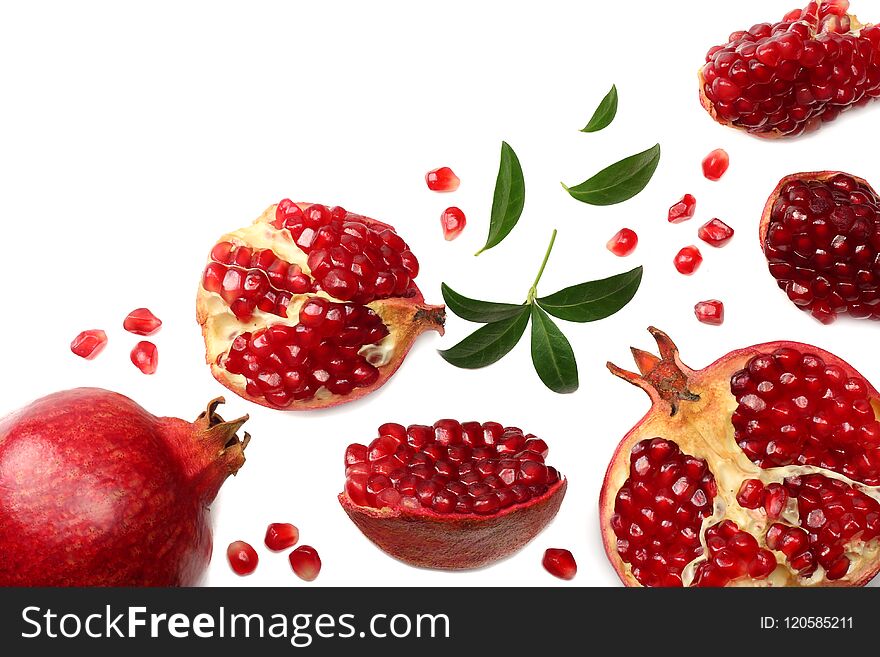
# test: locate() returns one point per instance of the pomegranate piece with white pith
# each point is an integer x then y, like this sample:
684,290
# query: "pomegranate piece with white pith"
821,236
452,495
310,306
786,78
762,469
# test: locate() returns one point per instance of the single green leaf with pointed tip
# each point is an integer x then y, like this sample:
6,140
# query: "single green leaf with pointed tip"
594,300
605,112
552,354
620,181
475,310
509,199
489,343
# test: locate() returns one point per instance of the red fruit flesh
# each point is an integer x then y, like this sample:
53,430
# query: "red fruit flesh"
142,322
683,210
98,492
715,164
623,243
453,222
281,535
821,236
242,557
715,233
710,312
758,470
452,495
145,357
785,78
89,344
442,180
688,260
305,562
310,307
560,563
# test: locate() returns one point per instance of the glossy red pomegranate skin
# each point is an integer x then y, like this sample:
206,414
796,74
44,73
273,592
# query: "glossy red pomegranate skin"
99,492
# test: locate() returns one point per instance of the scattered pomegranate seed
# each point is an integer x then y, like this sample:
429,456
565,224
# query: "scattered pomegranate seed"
142,322
710,312
683,210
89,344
688,260
715,233
453,222
242,557
623,243
281,535
715,164
305,562
442,180
145,357
560,563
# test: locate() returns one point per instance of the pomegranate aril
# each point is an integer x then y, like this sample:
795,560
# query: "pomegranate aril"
715,164
715,233
306,562
560,563
688,260
683,210
453,222
89,344
442,179
142,322
242,557
145,356
710,312
281,535
623,242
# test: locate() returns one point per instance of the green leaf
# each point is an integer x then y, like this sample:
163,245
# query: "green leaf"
594,300
552,354
475,310
510,196
489,343
620,181
605,112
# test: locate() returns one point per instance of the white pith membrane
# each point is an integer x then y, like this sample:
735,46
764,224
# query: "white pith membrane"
703,429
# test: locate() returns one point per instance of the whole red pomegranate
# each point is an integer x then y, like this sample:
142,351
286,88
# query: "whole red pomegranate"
452,495
761,469
821,235
98,492
310,306
785,78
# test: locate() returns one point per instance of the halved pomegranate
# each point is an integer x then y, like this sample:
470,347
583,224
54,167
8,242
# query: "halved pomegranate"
452,495
761,469
310,306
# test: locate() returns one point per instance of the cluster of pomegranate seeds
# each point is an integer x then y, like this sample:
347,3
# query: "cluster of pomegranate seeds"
442,179
560,563
142,322
683,210
242,557
89,344
145,357
793,408
283,363
715,164
822,247
732,554
715,233
688,260
306,562
448,468
793,75
772,498
710,312
623,243
659,510
281,535
453,222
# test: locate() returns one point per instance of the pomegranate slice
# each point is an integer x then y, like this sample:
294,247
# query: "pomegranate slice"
761,469
310,306
821,233
785,78
452,495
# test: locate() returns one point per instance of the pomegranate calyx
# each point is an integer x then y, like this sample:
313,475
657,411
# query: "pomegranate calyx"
222,449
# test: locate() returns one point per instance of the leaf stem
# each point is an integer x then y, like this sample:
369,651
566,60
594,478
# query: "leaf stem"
533,291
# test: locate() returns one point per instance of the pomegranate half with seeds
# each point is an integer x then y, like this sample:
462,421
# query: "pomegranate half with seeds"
452,495
786,78
762,469
310,306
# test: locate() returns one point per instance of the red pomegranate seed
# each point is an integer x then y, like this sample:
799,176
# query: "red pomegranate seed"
145,357
442,180
242,557
142,322
623,243
683,210
453,222
710,312
715,164
688,260
715,233
281,535
89,344
305,562
560,563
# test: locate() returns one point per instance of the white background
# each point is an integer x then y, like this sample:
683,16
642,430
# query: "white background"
133,135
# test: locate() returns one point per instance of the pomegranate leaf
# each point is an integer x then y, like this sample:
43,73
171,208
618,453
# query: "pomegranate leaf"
552,354
593,300
510,195
489,343
605,112
475,310
620,181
